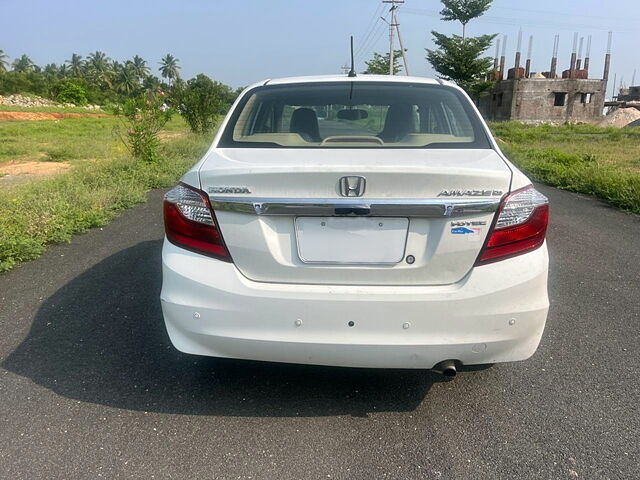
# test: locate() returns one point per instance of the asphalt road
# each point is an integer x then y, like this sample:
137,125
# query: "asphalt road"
91,388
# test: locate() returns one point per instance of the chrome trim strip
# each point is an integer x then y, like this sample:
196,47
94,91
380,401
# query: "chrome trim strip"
378,207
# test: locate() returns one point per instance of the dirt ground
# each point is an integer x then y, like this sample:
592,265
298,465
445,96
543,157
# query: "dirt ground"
11,173
45,115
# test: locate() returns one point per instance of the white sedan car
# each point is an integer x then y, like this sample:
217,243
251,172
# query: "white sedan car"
394,233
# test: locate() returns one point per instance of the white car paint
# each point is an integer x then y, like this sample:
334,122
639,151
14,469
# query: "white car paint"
286,302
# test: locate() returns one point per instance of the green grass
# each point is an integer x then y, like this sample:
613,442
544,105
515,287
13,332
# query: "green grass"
68,139
604,162
44,211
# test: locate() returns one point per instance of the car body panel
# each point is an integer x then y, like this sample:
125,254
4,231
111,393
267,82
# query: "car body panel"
496,313
264,247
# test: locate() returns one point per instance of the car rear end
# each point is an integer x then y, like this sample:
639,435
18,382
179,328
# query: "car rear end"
362,223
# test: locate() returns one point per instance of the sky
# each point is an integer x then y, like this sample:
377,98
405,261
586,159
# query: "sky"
239,42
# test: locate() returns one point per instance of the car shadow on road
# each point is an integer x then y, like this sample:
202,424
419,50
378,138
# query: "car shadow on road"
101,339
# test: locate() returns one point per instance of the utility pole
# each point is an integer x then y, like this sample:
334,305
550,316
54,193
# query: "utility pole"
395,25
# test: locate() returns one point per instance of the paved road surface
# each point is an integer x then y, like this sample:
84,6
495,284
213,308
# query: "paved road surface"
91,388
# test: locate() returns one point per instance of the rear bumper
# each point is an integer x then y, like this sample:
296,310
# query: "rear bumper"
495,314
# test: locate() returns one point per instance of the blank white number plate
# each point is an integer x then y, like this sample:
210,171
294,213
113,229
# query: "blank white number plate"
356,240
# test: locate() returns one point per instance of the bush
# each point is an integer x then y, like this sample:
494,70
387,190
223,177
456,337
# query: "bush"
69,91
25,83
200,101
142,118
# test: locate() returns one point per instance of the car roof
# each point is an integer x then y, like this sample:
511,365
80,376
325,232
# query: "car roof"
359,78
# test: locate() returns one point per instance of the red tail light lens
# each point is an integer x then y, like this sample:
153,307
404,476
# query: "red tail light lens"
520,226
189,222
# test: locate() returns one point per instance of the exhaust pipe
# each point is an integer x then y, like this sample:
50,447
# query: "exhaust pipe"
446,368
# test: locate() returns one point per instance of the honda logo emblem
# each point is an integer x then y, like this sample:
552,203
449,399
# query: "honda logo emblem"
352,186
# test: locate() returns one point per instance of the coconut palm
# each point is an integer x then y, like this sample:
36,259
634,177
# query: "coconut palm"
23,64
140,66
151,82
169,67
99,68
51,70
76,65
126,78
3,61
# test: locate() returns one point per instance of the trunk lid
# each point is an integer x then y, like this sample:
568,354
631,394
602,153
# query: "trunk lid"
421,220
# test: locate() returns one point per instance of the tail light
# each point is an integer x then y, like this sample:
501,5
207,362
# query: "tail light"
189,222
520,226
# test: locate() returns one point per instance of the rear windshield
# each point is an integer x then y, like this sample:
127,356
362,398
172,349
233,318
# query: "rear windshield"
356,115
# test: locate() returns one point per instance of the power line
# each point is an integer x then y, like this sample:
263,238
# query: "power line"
375,28
372,41
375,18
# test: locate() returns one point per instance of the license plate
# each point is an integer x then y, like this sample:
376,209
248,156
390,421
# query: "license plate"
351,240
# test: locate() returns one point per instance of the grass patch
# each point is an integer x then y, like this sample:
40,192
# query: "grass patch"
66,139
604,162
51,210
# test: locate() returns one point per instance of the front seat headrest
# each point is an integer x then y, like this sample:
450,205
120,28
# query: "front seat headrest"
305,122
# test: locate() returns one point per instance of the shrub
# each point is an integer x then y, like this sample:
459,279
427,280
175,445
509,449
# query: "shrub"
200,101
69,91
142,118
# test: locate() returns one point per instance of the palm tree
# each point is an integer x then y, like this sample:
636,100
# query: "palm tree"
3,61
151,82
140,66
75,65
99,68
126,78
51,70
169,67
23,64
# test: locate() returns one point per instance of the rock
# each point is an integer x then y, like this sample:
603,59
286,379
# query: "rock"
17,100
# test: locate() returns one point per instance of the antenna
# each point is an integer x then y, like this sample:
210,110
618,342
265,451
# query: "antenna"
352,72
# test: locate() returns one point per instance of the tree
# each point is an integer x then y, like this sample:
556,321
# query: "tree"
99,69
151,82
140,66
23,64
200,101
3,61
458,58
463,11
379,64
76,65
126,78
51,70
63,71
169,67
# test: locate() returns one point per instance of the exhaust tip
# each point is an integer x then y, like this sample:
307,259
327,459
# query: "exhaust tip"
446,368
450,371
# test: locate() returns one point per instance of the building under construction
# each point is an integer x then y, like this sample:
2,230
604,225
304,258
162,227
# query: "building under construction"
567,96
